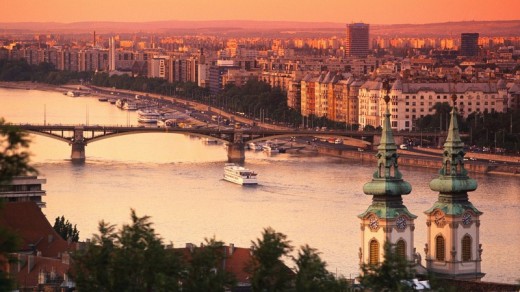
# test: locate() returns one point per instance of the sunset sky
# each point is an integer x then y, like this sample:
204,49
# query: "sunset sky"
342,11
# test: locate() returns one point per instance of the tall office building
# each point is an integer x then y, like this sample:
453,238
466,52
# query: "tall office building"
469,44
357,39
112,54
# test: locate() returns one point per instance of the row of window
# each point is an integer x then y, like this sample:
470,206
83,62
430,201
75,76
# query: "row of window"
440,249
446,97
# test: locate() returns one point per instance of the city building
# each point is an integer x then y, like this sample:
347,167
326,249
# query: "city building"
414,100
469,44
24,189
387,220
453,248
357,40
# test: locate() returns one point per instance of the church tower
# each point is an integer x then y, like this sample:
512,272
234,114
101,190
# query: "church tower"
386,219
453,248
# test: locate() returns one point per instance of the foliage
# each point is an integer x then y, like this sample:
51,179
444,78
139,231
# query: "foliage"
132,259
485,129
20,70
388,275
312,275
65,229
269,273
205,272
14,159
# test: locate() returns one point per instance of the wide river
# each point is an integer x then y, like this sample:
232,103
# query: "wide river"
177,180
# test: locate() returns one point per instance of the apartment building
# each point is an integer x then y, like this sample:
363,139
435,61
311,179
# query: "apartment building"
411,101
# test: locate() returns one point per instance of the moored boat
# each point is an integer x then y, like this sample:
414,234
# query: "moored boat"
239,175
270,148
255,146
148,116
73,93
130,106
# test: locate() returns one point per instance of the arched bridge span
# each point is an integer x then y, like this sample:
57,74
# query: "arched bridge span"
78,136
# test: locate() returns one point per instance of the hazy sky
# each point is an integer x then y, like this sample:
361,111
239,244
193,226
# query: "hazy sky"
343,11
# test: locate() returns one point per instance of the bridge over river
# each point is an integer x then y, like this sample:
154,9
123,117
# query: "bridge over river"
79,136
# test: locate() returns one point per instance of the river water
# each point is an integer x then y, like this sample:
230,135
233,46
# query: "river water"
177,180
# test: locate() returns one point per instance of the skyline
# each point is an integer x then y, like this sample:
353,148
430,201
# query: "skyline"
371,11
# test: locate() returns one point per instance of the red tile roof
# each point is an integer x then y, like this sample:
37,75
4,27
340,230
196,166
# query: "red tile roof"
237,260
27,220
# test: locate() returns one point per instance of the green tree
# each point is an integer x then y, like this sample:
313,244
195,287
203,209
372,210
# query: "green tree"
132,259
269,273
14,158
205,271
390,274
312,275
65,229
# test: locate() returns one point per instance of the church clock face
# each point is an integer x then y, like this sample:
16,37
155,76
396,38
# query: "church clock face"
466,219
373,223
439,218
401,223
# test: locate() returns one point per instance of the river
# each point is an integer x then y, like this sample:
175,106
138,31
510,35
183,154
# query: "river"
177,180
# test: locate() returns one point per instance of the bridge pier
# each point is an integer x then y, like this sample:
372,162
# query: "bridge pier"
236,152
78,145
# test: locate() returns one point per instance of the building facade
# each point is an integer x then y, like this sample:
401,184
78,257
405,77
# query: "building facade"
357,43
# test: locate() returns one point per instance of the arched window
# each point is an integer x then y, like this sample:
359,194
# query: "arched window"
466,248
439,248
400,248
374,252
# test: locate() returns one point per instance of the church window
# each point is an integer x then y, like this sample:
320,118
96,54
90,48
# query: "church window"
439,248
374,252
400,248
466,248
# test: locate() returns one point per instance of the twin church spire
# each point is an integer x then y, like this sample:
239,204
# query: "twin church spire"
452,249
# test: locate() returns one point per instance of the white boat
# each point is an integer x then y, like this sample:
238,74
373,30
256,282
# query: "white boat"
239,175
130,106
148,116
255,146
269,148
210,141
167,123
120,103
73,93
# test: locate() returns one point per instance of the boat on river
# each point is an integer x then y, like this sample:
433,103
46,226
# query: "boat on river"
239,174
148,116
73,93
270,148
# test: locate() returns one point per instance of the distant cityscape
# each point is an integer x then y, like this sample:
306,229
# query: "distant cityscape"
337,77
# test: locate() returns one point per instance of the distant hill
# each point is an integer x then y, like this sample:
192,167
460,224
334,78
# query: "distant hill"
244,27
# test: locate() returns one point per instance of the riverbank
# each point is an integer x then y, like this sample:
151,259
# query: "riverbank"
425,161
426,158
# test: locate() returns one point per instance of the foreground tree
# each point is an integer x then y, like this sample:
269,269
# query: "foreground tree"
65,229
205,271
391,275
269,273
312,275
14,158
132,259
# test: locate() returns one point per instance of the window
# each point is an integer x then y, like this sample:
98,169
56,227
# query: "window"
400,248
374,252
439,248
466,248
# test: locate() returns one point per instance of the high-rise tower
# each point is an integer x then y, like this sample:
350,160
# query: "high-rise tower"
453,248
469,44
387,219
357,40
112,54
